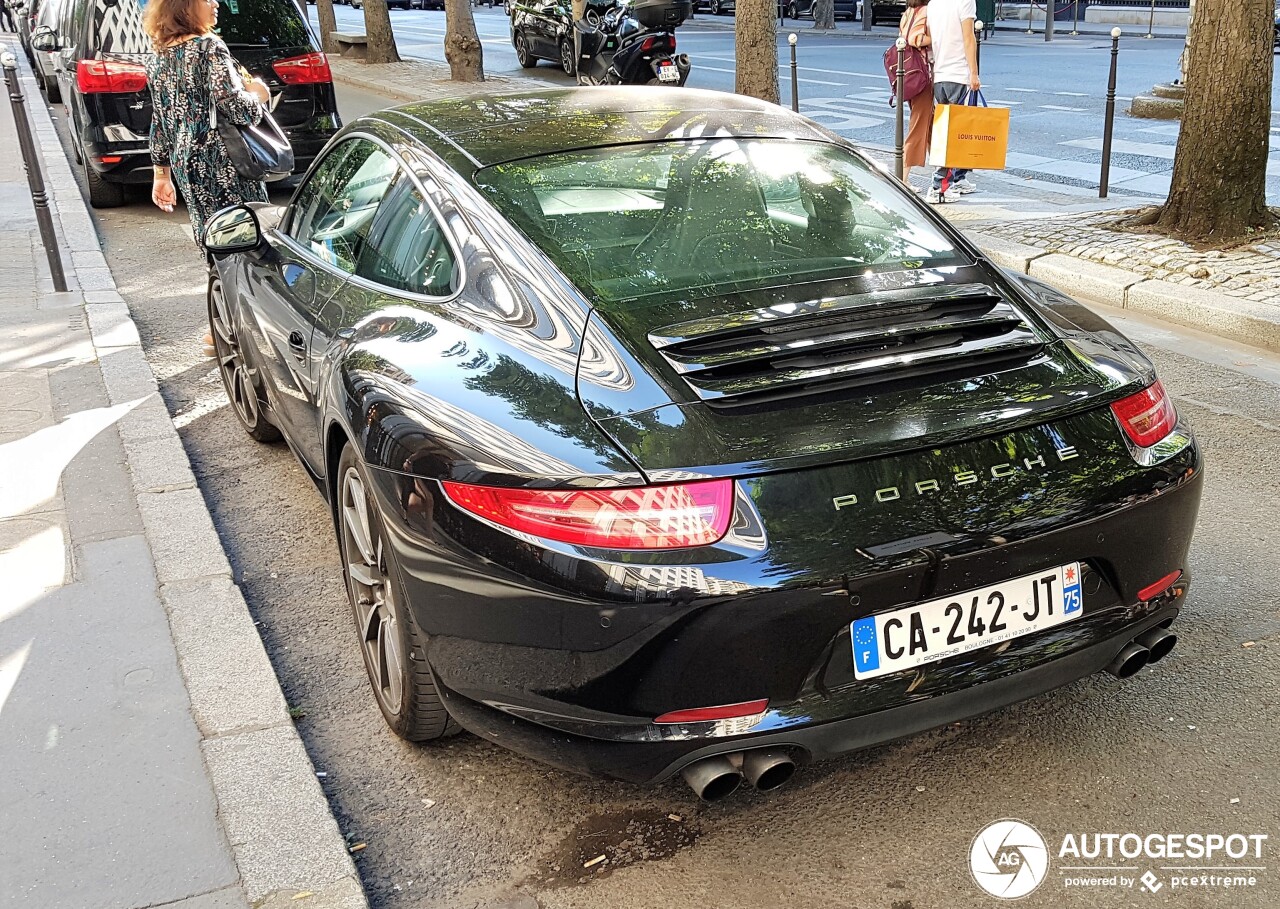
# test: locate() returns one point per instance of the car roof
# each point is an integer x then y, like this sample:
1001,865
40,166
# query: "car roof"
490,129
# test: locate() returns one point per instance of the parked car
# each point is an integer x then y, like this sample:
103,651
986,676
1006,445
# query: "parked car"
102,54
432,4
391,4
883,13
845,9
43,62
543,30
687,441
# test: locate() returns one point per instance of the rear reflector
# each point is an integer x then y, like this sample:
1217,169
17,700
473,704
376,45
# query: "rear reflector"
711,714
642,517
305,70
110,76
109,159
1159,587
1146,417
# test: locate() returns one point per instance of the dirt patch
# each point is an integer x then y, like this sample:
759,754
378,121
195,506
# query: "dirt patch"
604,843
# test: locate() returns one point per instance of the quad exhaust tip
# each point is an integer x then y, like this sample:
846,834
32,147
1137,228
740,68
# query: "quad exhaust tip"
1159,642
767,769
713,778
1129,661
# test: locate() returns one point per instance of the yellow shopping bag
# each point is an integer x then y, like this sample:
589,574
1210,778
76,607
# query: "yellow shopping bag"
969,136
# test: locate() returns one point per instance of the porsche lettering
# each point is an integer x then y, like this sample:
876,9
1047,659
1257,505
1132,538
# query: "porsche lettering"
1001,471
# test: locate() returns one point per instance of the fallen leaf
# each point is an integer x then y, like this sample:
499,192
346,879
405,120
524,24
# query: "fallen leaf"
595,861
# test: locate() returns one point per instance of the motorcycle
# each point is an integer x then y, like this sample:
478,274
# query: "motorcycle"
633,45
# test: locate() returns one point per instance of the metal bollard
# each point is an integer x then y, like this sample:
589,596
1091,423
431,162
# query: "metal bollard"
1151,23
868,15
1050,14
1111,116
795,78
1075,17
1031,17
901,45
977,42
35,175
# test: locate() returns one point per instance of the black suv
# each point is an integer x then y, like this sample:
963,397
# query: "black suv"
102,55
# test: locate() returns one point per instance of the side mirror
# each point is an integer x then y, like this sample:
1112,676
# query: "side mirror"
233,230
44,39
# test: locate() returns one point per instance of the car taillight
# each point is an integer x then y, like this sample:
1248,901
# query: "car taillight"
110,76
1159,587
305,70
1146,417
641,517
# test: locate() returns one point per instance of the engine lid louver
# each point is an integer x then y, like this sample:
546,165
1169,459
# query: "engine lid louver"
846,342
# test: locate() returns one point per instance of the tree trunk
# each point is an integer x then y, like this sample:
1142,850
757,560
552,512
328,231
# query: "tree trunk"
824,14
377,28
328,25
756,34
579,9
461,43
1219,189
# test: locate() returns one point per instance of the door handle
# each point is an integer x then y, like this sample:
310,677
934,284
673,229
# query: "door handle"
297,345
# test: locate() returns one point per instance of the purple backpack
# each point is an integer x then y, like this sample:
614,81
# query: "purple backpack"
917,70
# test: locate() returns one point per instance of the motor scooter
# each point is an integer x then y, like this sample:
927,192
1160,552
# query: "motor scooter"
633,44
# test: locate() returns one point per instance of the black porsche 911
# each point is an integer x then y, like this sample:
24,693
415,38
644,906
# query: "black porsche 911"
664,433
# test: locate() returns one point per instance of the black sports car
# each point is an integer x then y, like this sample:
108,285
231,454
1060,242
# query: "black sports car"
663,433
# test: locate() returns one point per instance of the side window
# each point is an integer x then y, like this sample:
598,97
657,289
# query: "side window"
335,210
407,248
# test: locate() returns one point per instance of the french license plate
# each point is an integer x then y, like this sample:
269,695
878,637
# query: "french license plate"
910,637
668,72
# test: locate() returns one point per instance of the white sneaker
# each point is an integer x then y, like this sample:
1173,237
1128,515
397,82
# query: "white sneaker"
964,187
934,197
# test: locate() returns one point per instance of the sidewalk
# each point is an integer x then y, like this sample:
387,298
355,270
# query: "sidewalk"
148,755
1051,231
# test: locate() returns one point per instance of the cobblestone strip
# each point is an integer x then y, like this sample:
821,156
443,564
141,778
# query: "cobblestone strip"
284,837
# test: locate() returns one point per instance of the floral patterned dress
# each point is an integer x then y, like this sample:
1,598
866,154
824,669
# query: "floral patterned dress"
188,80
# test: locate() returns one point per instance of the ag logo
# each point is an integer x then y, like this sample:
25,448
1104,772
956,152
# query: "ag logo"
1009,859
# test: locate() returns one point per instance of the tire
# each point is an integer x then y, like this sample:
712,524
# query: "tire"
567,61
527,60
713,6
102,192
51,90
238,380
392,644
792,12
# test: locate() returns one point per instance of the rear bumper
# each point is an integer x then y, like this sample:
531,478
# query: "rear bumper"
651,762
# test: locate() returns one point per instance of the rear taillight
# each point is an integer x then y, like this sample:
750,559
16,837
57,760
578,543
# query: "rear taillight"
110,76
643,517
667,41
305,70
1146,417
1154,590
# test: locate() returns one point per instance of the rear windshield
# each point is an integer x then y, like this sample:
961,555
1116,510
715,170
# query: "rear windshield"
674,216
260,23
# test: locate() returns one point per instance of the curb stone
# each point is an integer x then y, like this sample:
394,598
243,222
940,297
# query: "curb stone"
282,833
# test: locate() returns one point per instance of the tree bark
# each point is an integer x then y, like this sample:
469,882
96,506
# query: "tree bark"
461,43
1219,188
756,34
824,14
579,10
377,29
328,25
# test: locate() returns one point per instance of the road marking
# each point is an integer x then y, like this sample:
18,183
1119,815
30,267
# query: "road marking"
1025,91
1072,94
1074,110
718,69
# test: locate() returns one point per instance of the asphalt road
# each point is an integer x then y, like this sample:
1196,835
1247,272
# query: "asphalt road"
1189,746
1056,92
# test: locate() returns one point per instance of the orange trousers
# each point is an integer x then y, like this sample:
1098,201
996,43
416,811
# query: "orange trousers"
916,145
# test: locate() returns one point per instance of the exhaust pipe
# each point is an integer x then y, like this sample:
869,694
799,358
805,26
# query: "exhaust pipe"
712,778
1130,660
1159,642
766,769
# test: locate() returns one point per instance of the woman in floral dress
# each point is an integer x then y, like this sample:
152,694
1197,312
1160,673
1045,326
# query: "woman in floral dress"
191,77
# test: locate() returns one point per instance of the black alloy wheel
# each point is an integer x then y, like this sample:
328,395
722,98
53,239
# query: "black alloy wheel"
392,644
238,379
792,12
714,7
526,59
567,60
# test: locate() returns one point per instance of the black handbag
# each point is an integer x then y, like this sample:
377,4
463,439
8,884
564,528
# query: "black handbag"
258,152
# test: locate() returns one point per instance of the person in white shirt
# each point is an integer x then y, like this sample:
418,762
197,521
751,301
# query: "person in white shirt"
955,74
